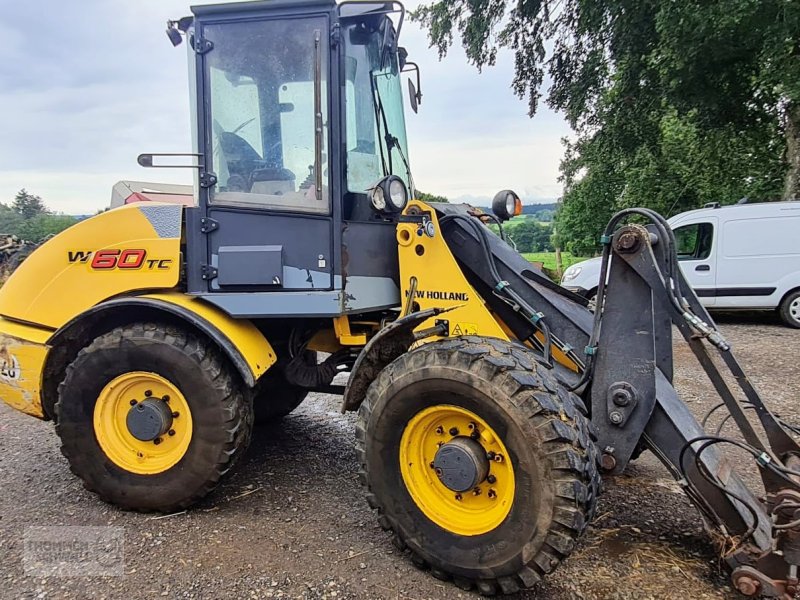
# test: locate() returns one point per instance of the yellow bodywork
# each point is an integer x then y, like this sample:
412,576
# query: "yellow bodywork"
440,282
116,254
22,355
242,334
95,260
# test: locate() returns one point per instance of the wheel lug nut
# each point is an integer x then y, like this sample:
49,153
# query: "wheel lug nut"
472,426
475,434
454,431
165,398
439,444
458,497
498,458
492,494
440,430
491,479
176,414
134,403
490,455
172,432
148,393
439,472
157,441
476,491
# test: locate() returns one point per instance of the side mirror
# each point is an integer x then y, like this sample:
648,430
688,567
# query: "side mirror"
148,160
414,92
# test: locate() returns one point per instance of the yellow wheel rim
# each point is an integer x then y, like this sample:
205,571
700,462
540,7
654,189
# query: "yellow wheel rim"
472,512
111,412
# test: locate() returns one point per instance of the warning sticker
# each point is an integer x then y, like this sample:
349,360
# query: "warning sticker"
464,329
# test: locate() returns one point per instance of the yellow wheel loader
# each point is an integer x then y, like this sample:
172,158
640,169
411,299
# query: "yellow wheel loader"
489,398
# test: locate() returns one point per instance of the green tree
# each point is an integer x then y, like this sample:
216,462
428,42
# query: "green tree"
424,197
28,205
531,236
29,219
672,103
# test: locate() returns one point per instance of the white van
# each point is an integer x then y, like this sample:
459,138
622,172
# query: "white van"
740,257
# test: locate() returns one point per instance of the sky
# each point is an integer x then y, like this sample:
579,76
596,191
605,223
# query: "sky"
87,86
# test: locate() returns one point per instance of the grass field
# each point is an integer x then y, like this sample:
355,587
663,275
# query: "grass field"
549,260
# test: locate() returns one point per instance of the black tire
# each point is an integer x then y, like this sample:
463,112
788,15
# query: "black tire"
790,309
222,415
547,435
274,397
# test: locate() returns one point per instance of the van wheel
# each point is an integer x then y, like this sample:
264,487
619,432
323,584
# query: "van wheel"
790,309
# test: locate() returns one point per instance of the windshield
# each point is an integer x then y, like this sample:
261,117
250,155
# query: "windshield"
268,121
374,108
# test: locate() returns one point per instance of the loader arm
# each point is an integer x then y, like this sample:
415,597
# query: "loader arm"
626,373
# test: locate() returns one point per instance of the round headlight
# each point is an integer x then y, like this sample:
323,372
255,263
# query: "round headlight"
378,198
571,273
506,204
398,194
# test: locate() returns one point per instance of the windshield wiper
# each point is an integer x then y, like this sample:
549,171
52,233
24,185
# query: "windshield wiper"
390,140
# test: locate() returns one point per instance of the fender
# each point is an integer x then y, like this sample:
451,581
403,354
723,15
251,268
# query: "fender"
239,339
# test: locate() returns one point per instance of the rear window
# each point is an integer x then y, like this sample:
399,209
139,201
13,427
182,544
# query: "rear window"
694,241
769,236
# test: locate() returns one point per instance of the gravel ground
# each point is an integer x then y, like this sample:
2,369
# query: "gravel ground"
292,521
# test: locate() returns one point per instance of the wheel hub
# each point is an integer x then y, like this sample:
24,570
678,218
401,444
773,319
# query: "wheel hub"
461,464
149,420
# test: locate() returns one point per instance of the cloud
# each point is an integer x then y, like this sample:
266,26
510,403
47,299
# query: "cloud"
85,87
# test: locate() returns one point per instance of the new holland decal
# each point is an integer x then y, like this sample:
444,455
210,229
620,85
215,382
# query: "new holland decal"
130,259
441,295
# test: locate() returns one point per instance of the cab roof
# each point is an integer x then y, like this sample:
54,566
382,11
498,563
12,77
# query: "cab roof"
257,5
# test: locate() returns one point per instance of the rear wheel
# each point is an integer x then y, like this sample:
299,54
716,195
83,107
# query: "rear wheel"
481,464
150,417
790,309
274,397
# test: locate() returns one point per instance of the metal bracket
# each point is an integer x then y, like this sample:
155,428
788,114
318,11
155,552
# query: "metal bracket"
445,326
207,225
208,272
201,46
208,179
621,399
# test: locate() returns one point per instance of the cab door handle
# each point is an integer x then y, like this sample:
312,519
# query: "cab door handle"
702,268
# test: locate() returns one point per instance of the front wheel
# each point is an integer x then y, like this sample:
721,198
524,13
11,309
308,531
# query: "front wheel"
479,461
790,309
151,417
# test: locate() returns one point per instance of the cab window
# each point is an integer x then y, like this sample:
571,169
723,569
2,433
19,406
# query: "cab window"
694,241
268,84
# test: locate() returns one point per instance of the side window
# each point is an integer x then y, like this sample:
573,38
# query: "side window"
694,241
268,141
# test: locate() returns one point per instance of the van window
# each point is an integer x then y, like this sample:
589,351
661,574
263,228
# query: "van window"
694,241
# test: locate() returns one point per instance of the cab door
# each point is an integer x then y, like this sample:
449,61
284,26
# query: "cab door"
696,246
267,221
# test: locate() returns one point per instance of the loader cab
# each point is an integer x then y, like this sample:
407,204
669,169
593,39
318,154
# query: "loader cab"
298,113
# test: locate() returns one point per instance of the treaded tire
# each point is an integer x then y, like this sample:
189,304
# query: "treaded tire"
222,415
789,309
274,397
548,437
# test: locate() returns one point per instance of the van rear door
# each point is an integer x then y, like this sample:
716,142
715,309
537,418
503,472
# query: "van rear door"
756,258
697,252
